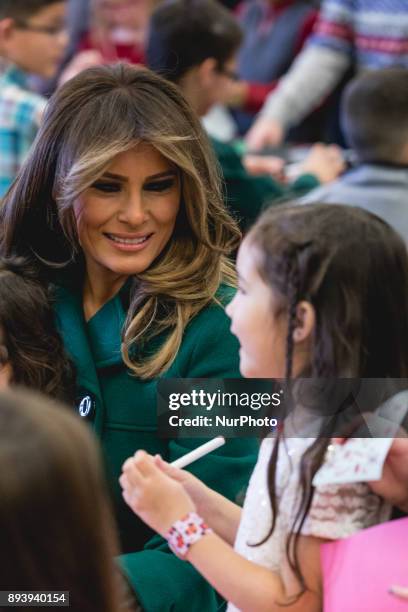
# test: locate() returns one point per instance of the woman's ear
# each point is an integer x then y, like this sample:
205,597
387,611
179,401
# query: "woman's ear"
305,322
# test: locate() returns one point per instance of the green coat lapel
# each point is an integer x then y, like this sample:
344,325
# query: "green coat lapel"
73,328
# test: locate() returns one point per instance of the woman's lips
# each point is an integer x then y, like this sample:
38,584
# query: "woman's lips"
130,244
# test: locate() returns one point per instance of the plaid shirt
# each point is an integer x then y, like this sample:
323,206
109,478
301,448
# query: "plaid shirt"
20,115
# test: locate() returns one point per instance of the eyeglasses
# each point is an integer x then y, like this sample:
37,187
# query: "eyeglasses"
51,30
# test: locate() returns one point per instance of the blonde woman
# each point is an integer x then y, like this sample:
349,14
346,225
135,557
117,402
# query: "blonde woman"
120,206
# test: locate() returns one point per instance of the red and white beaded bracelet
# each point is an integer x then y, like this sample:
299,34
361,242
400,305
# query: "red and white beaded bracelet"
185,532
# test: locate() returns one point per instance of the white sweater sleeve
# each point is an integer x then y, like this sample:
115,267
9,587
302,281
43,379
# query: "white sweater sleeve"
314,74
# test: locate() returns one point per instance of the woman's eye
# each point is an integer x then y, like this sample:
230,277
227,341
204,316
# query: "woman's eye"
160,185
241,290
107,187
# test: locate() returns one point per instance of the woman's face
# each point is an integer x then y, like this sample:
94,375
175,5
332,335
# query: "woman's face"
126,218
255,321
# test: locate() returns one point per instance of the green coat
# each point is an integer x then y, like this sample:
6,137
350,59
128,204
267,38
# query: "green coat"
246,195
123,412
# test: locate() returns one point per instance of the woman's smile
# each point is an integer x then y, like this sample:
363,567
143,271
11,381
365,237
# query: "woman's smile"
127,216
130,243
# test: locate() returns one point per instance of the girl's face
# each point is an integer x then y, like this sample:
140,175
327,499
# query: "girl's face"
257,321
126,218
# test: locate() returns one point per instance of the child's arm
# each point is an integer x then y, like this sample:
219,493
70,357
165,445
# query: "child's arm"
251,587
221,514
160,501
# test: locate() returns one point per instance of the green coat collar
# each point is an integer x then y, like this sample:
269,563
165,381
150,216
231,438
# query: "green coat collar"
90,345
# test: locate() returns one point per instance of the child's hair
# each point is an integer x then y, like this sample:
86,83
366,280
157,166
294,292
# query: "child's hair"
56,527
184,33
374,115
353,268
32,345
23,9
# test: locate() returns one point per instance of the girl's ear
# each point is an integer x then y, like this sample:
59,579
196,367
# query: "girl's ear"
6,29
305,322
206,71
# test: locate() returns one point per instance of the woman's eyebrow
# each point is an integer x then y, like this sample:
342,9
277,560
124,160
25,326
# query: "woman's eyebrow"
120,177
116,177
160,175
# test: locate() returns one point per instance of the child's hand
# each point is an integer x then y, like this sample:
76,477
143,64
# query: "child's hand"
399,591
200,494
265,164
393,485
325,162
155,497
264,132
81,61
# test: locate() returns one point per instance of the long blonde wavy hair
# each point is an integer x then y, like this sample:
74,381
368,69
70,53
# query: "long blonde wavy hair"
95,116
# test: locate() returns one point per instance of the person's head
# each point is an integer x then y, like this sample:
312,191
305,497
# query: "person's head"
33,34
330,283
374,115
56,526
120,21
122,157
31,350
193,43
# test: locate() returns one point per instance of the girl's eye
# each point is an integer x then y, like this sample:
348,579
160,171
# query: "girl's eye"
159,186
106,187
241,290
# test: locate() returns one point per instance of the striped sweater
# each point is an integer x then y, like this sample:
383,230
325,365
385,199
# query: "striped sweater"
371,33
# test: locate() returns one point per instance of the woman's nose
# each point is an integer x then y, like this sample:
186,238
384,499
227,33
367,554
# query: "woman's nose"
133,211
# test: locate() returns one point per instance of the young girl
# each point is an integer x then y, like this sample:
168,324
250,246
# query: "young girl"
323,292
56,527
31,350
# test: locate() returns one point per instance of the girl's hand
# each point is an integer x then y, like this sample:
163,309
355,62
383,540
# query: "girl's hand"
393,485
155,497
399,591
200,494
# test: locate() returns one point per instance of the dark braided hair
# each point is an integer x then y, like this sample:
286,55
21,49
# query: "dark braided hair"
292,293
352,267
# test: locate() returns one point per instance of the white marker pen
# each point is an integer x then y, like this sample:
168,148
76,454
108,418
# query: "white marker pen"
199,452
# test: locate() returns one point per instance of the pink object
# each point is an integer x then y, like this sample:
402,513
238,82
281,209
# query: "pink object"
358,571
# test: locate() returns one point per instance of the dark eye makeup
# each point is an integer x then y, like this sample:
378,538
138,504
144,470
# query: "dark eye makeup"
158,185
107,186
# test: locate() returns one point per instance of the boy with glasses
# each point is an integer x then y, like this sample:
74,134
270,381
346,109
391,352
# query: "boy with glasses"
32,41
